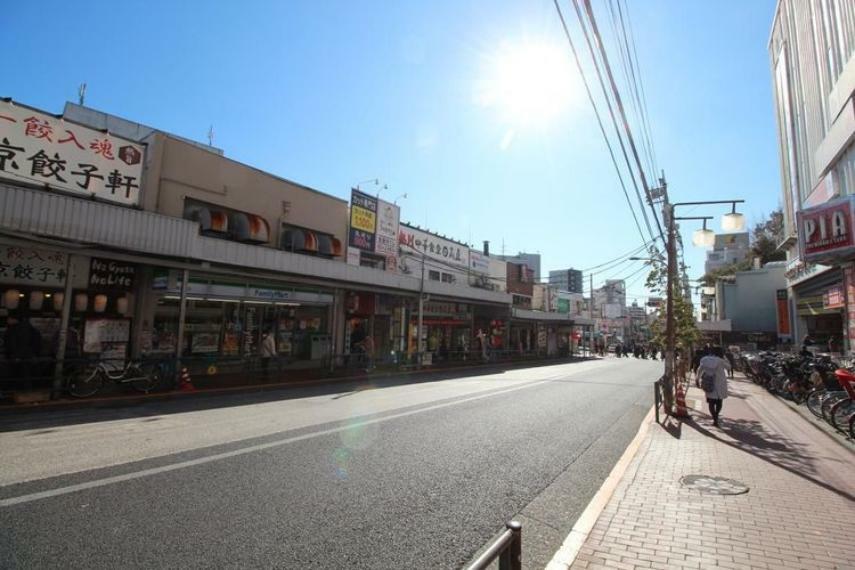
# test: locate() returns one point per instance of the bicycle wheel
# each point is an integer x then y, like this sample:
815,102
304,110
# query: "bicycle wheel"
86,382
147,382
829,403
814,402
839,414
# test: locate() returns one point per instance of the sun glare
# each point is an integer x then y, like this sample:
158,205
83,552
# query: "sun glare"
528,84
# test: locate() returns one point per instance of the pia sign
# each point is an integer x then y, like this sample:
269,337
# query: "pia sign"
826,231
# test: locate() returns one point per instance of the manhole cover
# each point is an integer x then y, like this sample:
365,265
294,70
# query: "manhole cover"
714,485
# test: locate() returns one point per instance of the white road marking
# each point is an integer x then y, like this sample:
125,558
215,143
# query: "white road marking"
243,451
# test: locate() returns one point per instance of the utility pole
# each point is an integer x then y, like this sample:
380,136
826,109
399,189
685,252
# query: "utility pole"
670,333
421,313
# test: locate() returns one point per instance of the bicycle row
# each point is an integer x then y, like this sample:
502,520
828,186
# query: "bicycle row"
817,381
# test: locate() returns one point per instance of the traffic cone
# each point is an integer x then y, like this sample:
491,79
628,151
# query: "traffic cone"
680,410
186,384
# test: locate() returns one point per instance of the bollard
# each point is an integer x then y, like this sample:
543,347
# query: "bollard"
511,558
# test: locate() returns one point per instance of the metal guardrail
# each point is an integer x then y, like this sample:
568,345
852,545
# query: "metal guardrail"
507,548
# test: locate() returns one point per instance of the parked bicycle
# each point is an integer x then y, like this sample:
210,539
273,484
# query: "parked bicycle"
87,381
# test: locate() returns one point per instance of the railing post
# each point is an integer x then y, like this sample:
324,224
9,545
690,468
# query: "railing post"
511,557
656,397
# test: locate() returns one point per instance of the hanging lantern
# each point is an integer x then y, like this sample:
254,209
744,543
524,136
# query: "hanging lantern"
81,302
703,237
11,298
37,299
122,305
58,300
100,303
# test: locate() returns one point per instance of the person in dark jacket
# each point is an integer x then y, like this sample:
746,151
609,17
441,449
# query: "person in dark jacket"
23,343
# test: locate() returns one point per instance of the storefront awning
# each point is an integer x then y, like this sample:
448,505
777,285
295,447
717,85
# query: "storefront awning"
34,211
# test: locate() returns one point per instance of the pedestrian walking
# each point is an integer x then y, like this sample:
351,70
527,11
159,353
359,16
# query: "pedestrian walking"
367,346
730,359
712,378
268,351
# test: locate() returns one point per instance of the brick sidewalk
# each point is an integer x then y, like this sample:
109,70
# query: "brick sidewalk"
798,512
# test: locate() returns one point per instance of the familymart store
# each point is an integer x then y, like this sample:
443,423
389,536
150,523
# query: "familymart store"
224,319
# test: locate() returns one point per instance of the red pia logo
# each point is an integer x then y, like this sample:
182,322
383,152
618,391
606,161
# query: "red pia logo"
827,230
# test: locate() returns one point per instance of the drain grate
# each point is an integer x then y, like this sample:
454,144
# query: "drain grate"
711,485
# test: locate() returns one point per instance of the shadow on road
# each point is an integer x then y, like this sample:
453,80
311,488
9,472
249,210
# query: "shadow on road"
165,404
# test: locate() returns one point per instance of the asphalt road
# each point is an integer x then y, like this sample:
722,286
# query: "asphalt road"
396,474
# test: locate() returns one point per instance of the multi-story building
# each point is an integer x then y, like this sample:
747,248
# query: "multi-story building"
531,260
567,280
812,58
727,250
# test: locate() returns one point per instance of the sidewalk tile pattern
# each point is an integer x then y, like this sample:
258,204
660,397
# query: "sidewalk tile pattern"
792,517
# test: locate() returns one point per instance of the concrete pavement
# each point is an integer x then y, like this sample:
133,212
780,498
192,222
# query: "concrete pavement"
797,512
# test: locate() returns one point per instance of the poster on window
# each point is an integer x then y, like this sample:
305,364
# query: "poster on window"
37,147
99,333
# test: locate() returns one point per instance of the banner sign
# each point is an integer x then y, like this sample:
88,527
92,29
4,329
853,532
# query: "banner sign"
28,266
833,298
109,274
478,262
38,148
849,283
363,220
450,253
783,306
825,232
386,237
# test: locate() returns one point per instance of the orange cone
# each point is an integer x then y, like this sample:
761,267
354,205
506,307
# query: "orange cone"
681,411
186,384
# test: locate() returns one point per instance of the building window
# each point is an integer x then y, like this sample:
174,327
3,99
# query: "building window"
447,278
433,275
374,261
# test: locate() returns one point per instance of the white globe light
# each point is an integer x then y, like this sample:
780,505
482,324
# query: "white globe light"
703,238
733,222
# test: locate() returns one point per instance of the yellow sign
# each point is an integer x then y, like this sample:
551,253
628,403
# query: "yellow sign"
362,219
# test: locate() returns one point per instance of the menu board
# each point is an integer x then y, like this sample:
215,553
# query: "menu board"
97,332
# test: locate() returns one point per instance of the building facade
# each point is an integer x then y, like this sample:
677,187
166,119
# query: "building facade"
149,245
727,250
812,60
567,280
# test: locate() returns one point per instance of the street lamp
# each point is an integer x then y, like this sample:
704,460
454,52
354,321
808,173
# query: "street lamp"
703,237
734,221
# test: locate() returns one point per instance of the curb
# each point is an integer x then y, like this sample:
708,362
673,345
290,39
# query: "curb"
566,555
125,400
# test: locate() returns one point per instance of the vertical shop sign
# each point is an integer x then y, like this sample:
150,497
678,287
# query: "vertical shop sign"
386,237
41,148
783,306
363,220
849,283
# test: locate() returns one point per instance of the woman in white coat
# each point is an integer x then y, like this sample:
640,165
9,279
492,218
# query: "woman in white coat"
714,367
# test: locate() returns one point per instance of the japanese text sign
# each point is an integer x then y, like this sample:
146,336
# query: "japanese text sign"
36,267
363,220
411,240
388,216
825,232
109,274
38,148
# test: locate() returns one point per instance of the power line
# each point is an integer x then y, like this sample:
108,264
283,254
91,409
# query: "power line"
632,173
633,252
599,120
616,93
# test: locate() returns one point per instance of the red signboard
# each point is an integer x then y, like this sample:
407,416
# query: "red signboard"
833,298
825,232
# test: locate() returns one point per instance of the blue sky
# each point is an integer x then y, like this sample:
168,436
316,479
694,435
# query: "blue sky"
332,93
